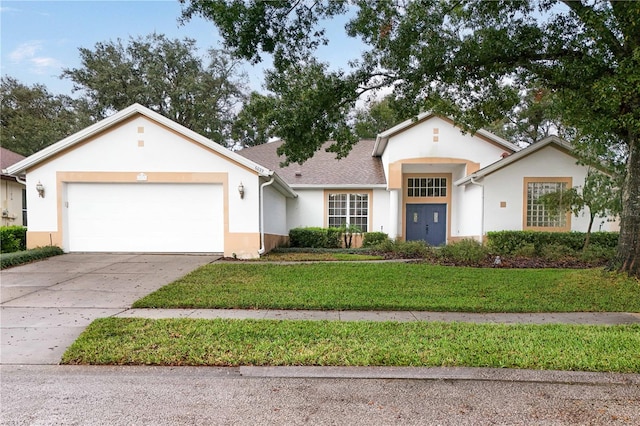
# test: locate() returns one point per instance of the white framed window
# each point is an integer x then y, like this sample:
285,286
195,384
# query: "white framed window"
344,209
537,216
427,187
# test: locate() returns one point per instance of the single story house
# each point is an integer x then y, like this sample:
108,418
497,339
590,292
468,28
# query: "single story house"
12,191
139,182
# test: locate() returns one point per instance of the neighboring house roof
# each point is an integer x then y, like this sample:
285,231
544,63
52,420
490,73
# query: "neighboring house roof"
506,161
383,138
357,169
125,114
8,158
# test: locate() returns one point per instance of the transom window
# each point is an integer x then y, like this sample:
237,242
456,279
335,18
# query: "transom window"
427,187
349,209
537,214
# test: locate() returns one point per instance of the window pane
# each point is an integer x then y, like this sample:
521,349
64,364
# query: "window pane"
348,209
537,214
427,187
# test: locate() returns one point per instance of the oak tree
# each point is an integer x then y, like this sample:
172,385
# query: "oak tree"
32,118
469,60
168,76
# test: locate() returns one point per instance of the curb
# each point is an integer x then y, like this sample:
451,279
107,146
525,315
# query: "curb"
446,373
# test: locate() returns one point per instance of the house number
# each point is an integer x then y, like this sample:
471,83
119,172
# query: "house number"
435,217
415,217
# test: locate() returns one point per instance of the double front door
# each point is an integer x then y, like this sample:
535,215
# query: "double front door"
427,222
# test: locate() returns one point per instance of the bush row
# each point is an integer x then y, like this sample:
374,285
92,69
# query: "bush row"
13,238
329,238
533,243
18,258
315,237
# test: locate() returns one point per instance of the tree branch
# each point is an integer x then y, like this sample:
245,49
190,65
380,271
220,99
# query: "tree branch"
592,19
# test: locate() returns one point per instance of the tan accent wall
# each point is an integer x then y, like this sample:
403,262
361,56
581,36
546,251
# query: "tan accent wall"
272,241
369,192
43,238
232,241
525,182
395,169
425,200
241,244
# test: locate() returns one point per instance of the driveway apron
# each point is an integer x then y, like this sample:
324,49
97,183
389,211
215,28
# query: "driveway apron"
44,306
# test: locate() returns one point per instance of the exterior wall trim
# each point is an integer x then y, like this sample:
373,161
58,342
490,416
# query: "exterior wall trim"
396,180
425,200
525,182
39,238
325,215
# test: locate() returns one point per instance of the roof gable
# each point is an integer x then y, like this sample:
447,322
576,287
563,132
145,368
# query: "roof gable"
383,138
554,141
116,119
358,168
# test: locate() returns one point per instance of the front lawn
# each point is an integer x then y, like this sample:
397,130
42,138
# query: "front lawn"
317,257
398,286
126,341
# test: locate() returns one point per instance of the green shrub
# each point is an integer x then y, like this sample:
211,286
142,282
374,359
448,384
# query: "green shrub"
313,237
333,238
20,257
597,254
467,250
525,250
604,239
510,242
405,249
556,251
371,239
13,238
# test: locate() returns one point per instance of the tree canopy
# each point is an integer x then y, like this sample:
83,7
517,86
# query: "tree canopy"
32,118
167,76
469,60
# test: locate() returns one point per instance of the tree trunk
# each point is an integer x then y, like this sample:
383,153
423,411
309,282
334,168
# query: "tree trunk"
628,257
592,217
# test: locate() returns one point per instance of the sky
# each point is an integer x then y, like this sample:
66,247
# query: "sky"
38,39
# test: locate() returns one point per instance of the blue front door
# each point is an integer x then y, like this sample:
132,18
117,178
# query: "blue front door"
427,222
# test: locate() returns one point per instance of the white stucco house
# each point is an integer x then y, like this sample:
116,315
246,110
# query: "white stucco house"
12,191
139,182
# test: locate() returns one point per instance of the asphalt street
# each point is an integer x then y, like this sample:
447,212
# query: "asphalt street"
80,395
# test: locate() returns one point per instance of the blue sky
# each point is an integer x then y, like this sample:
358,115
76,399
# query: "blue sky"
38,39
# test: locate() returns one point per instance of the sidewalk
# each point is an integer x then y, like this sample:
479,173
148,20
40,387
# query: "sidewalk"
590,318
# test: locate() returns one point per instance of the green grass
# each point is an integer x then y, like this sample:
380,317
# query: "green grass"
314,257
125,341
398,286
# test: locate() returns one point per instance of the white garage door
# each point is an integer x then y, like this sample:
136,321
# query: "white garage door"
145,217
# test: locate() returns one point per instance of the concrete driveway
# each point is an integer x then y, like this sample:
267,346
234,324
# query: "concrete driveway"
44,306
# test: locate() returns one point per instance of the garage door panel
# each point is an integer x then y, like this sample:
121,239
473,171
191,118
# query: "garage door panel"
145,217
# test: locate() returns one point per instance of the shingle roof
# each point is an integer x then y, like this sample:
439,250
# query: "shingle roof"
358,168
8,158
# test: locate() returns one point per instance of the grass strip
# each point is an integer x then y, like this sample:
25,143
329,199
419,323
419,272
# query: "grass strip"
316,257
398,286
224,342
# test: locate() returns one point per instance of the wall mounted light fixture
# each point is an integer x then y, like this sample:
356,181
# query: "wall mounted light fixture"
241,190
40,189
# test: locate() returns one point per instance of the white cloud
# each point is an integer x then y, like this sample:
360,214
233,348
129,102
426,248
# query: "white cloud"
27,53
5,9
42,64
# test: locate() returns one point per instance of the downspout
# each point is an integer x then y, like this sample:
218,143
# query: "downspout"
482,210
262,247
